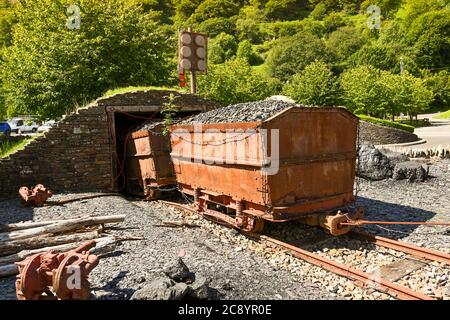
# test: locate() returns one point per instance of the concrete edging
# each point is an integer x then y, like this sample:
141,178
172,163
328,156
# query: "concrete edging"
406,144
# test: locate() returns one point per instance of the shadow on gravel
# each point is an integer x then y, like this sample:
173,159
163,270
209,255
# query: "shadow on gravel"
112,291
13,211
385,211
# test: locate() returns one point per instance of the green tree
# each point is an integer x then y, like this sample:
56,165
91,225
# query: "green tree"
384,57
222,48
209,9
439,84
7,20
235,81
315,85
184,9
345,41
292,54
430,36
361,92
415,96
50,68
247,23
333,21
215,26
286,9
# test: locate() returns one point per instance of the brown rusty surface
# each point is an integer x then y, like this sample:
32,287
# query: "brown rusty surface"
317,150
148,164
53,275
36,196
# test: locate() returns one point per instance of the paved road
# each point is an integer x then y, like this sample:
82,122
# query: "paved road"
436,135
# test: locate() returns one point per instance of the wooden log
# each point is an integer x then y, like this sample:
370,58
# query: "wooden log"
103,245
12,248
177,224
8,270
60,227
34,224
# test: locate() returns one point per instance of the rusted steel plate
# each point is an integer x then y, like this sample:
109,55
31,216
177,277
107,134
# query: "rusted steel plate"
317,153
148,163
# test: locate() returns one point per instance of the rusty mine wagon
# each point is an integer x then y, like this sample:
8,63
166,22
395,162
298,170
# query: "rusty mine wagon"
298,164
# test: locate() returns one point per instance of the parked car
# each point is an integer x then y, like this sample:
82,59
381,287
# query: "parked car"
46,126
5,128
20,125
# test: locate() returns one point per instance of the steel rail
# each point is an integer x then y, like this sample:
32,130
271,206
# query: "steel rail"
417,251
360,278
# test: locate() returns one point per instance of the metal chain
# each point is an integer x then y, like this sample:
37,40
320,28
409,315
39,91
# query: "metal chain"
358,145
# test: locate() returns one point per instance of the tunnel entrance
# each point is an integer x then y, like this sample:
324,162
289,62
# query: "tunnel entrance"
141,153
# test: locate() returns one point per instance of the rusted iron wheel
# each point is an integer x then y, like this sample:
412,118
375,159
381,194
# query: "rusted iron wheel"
258,226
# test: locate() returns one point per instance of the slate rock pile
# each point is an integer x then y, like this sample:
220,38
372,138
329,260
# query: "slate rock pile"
413,171
242,112
177,284
379,164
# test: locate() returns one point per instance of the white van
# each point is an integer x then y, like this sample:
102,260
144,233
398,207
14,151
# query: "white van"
20,125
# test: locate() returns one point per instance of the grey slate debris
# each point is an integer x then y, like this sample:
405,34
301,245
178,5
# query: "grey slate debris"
373,164
161,289
179,284
411,170
177,270
242,112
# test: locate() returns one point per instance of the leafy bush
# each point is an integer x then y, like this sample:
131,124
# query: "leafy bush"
290,28
315,85
429,34
387,123
291,55
371,91
215,26
222,48
245,52
235,81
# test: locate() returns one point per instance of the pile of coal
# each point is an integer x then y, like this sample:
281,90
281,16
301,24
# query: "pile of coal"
242,112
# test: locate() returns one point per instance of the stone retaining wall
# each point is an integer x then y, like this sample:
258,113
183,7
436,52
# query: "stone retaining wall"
76,154
376,134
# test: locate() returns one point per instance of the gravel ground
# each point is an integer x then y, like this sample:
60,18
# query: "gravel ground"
242,269
234,273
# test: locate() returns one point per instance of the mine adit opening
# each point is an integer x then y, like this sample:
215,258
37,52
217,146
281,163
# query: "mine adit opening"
141,161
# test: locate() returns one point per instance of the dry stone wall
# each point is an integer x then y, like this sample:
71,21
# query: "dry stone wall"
76,154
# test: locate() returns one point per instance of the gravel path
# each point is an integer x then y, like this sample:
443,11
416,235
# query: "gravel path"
234,273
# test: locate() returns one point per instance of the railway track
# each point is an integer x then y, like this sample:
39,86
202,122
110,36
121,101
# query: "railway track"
360,278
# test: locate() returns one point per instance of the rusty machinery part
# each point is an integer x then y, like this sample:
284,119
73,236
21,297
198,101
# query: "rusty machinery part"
334,223
36,196
46,276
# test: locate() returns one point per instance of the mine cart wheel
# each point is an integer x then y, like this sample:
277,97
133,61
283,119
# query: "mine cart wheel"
254,225
259,226
152,194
